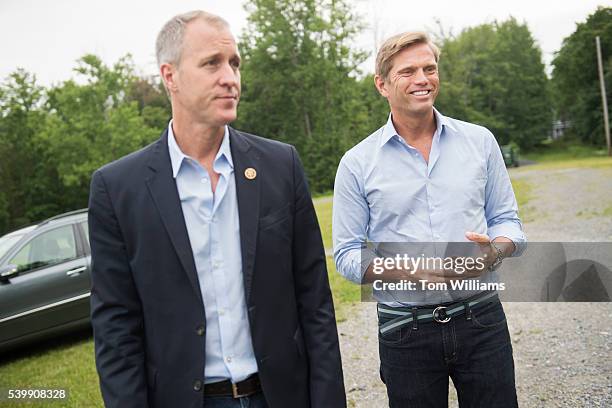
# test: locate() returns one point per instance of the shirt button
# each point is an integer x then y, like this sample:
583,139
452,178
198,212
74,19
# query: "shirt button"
197,385
204,180
200,330
228,359
216,265
221,312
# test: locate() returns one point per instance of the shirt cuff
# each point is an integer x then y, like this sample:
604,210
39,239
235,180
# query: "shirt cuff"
512,231
353,263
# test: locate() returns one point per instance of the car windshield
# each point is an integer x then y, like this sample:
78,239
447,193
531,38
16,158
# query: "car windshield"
7,242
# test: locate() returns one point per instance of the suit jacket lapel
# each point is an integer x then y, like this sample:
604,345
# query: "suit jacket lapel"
247,192
162,186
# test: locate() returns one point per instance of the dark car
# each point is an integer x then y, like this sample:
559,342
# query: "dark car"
510,154
44,279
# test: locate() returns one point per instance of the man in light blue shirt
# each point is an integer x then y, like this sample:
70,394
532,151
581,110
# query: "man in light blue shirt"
209,280
214,233
426,178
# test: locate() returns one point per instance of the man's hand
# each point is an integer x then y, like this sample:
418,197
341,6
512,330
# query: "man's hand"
488,250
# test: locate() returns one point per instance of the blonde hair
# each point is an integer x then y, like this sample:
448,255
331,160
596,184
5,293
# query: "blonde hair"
397,43
169,44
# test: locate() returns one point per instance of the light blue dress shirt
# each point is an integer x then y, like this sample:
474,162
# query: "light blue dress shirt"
214,233
385,191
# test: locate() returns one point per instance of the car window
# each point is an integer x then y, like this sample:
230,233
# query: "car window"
7,242
49,248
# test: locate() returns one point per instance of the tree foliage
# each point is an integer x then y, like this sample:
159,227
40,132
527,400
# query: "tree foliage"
576,80
298,80
51,140
301,84
23,159
493,75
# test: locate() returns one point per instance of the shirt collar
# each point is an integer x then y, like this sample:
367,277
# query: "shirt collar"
177,156
389,131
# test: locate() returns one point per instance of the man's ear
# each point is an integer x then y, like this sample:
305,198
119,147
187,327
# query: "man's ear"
168,75
380,85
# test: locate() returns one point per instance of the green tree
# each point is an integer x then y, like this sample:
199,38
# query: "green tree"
153,102
26,176
493,75
575,78
93,123
298,80
374,108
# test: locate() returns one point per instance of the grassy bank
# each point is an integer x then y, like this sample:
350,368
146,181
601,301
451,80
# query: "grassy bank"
559,151
567,154
66,363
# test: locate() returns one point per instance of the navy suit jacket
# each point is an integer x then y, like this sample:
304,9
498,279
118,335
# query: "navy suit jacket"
147,309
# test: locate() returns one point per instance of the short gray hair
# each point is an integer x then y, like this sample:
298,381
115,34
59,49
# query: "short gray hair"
397,43
169,44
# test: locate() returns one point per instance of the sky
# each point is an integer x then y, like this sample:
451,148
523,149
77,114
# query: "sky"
46,37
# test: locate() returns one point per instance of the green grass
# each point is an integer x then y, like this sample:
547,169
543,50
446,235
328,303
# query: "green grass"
568,154
344,292
606,212
565,163
561,151
523,193
66,363
323,207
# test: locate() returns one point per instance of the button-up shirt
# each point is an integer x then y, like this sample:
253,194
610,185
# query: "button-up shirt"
385,191
214,233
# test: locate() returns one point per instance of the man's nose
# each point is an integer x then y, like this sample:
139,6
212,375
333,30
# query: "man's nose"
229,75
420,76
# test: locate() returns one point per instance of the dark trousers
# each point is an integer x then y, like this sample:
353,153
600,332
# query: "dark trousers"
476,354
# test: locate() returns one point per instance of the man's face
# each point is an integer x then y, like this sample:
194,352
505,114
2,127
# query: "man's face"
412,84
206,83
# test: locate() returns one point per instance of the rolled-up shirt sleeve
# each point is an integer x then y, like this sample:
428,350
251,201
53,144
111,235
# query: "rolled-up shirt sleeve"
501,209
349,222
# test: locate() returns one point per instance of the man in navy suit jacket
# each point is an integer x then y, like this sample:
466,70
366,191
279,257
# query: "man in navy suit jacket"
209,278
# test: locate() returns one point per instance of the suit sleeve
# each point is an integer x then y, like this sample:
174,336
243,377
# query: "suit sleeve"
116,311
315,305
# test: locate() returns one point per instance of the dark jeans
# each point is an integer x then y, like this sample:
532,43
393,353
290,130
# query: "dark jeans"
476,354
253,401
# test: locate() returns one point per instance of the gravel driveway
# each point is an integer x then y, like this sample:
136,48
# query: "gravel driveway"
562,351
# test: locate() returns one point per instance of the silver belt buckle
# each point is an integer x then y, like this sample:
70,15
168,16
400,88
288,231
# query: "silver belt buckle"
436,312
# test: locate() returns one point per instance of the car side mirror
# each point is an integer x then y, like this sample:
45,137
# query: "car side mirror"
7,272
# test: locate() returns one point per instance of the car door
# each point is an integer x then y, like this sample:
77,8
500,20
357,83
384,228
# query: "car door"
51,289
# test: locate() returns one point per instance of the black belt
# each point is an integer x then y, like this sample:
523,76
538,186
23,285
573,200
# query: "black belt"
226,388
401,316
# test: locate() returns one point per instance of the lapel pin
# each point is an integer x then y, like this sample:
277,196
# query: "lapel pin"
250,173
